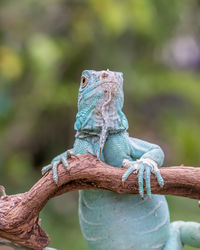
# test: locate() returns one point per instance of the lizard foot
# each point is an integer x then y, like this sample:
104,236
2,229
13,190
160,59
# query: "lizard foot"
142,166
62,158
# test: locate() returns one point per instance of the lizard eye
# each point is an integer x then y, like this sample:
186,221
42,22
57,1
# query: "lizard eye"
83,81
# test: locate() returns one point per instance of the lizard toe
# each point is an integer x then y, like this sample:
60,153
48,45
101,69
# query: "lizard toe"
46,169
54,171
148,181
140,180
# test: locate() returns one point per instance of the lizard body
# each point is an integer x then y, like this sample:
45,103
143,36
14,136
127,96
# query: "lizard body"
120,221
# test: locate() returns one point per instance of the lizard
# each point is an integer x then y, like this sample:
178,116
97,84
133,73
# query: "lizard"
120,221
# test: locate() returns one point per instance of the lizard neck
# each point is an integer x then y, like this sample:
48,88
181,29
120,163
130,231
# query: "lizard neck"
105,123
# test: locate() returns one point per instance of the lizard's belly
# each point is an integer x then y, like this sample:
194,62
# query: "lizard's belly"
122,221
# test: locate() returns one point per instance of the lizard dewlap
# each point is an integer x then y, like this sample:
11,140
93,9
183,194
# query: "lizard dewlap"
111,221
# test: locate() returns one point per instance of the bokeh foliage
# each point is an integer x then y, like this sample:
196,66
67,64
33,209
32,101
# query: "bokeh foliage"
44,46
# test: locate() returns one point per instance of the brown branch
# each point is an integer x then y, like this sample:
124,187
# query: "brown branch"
19,213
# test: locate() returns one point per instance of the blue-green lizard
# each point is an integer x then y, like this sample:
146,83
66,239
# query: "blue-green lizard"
111,221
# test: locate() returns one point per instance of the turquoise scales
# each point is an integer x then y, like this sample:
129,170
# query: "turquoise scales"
120,221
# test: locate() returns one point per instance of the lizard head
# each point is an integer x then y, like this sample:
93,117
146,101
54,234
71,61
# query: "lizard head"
101,84
100,104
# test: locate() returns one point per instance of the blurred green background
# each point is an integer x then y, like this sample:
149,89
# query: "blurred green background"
44,46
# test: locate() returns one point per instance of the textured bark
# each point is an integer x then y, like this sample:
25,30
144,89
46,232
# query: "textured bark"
19,213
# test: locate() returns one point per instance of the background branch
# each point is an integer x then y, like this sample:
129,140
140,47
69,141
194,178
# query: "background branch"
19,213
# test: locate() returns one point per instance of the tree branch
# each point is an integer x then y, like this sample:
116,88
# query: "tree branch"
19,213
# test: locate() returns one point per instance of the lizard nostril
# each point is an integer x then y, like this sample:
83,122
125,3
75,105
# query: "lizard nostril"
104,75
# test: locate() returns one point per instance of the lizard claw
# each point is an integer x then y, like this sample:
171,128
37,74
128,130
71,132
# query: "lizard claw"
2,190
142,166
